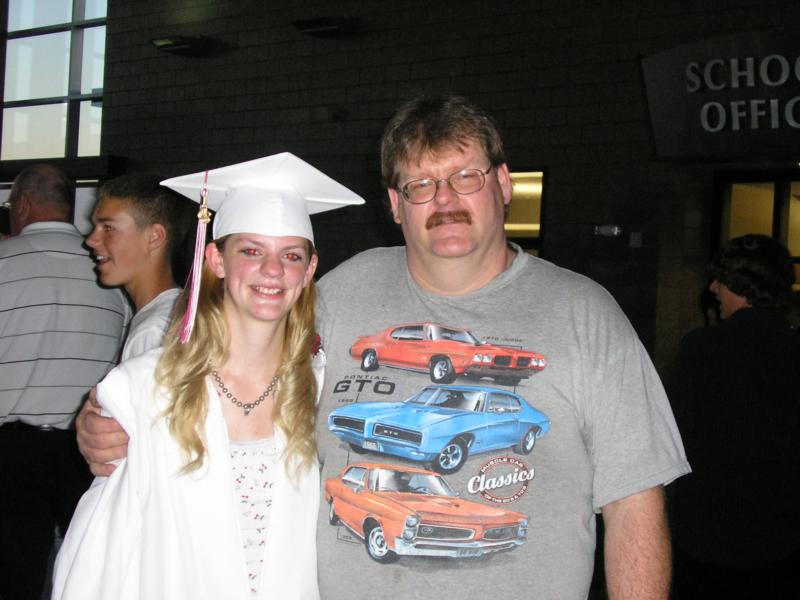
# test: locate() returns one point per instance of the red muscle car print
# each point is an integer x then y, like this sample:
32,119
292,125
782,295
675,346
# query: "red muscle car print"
444,353
406,511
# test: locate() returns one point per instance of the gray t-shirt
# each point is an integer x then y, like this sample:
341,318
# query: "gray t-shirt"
468,441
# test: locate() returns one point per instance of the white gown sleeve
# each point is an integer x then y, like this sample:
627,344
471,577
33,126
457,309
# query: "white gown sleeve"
101,553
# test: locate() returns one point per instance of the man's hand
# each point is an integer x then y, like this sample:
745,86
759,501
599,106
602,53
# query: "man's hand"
100,439
637,549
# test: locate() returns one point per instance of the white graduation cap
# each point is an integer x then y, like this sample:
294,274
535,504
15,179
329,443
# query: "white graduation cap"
271,196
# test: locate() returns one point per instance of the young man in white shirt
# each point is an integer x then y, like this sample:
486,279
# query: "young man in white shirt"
138,237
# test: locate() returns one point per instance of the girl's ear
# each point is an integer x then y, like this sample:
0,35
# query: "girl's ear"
310,270
215,260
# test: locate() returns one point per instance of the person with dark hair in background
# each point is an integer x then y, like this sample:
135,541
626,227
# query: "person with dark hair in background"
734,392
709,306
140,227
60,332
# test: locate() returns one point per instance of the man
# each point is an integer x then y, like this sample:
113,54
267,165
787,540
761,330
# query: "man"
59,334
734,519
428,494
139,228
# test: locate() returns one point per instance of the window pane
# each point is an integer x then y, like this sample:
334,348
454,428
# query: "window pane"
34,132
85,199
89,129
95,9
94,56
751,209
27,14
794,220
37,67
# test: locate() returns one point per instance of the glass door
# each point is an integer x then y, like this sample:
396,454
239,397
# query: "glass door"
767,203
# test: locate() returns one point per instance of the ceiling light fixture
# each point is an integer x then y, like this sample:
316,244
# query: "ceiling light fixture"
184,44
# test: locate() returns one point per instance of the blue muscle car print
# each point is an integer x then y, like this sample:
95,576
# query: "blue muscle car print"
441,425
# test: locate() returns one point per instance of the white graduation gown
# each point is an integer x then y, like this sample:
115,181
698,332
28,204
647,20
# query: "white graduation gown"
148,532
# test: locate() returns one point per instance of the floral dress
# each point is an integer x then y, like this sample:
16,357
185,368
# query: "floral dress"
254,463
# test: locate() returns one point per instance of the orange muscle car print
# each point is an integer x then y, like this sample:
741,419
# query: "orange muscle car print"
406,511
444,353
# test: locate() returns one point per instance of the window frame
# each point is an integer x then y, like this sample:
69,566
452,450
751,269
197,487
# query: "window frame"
781,179
74,97
532,244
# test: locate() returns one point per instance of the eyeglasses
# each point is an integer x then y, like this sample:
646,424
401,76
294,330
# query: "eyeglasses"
465,181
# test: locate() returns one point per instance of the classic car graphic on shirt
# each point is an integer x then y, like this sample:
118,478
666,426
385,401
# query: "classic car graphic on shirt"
400,511
444,353
441,425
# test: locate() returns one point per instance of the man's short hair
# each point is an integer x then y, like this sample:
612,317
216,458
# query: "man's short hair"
433,123
45,184
758,268
151,203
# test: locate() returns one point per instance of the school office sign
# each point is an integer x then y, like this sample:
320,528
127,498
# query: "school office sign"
726,98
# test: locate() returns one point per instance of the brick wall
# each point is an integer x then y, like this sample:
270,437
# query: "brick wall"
562,78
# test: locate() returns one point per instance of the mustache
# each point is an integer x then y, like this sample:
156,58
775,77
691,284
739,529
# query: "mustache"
444,218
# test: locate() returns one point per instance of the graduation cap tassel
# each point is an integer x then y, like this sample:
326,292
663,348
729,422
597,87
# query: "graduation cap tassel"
203,218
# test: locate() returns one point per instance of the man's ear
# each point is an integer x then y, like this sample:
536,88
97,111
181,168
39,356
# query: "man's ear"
215,260
394,204
504,179
23,206
156,236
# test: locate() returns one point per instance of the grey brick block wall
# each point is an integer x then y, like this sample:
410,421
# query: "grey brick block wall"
562,78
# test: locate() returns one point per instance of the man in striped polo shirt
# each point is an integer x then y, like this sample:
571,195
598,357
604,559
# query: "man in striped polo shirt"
60,332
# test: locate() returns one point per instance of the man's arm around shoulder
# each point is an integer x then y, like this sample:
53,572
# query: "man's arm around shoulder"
100,439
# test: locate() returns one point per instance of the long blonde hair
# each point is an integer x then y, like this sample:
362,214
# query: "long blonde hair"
183,368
